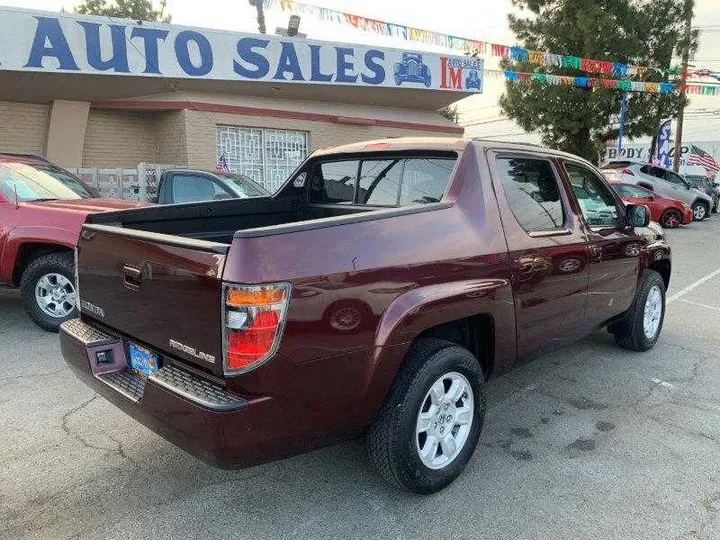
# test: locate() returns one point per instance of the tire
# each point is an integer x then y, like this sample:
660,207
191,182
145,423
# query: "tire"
700,211
54,267
394,443
630,331
671,219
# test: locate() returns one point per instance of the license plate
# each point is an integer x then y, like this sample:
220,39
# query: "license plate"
143,360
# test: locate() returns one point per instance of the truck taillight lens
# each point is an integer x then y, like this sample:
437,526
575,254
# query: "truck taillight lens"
254,322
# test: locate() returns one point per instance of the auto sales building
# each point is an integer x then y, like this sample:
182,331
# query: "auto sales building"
94,92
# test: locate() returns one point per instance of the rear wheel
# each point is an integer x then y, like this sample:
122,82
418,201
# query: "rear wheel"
700,211
640,328
48,290
430,424
671,219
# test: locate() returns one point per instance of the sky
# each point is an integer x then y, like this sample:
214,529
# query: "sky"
484,20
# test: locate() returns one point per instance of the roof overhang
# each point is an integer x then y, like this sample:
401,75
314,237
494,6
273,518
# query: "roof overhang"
49,56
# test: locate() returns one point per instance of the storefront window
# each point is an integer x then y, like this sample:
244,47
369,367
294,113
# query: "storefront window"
268,156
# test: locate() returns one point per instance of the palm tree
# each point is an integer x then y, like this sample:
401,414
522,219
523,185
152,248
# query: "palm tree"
260,14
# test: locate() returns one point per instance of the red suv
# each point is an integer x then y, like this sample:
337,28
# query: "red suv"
42,208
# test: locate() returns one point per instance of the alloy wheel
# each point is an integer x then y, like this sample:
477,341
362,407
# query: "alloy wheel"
653,312
444,420
55,295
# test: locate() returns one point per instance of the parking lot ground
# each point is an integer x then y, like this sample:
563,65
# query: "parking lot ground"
591,442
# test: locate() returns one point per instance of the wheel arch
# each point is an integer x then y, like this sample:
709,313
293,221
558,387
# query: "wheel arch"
664,268
29,251
476,314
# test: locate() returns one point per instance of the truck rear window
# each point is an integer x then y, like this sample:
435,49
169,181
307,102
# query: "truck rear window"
393,181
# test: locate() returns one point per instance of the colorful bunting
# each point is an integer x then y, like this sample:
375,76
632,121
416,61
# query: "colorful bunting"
470,46
615,84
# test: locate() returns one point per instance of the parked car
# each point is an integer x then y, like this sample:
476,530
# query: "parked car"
704,184
193,185
473,256
661,181
667,212
42,208
411,69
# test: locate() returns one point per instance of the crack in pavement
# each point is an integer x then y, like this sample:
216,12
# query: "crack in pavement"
118,449
33,375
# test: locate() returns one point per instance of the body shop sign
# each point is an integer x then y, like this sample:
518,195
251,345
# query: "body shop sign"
34,41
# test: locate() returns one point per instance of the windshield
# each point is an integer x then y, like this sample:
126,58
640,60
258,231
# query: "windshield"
242,185
35,183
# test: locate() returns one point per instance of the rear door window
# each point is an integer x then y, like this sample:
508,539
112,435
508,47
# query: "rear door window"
533,193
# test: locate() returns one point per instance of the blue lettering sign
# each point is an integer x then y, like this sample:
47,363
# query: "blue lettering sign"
378,69
118,61
150,37
288,63
182,53
245,48
49,31
316,73
344,64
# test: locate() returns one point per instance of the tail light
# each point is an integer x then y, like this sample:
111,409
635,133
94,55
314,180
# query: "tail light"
254,320
627,171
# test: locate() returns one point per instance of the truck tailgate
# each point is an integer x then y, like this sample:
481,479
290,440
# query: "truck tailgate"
161,291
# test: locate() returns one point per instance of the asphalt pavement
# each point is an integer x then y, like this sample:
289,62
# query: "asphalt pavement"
591,442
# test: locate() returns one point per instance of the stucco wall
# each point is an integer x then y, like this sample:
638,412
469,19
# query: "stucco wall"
23,127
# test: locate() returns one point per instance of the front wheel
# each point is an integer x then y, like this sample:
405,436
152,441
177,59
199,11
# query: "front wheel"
640,328
430,424
48,290
700,211
671,219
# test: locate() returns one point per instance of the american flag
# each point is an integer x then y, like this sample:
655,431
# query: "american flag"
701,157
222,164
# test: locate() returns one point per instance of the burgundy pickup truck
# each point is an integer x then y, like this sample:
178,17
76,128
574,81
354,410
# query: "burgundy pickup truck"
375,292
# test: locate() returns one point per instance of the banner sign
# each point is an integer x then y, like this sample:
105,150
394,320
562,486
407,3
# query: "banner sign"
640,152
63,43
663,144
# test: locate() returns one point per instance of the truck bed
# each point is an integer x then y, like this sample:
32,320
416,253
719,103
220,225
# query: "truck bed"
218,221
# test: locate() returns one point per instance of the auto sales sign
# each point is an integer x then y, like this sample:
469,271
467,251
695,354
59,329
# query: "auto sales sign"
51,42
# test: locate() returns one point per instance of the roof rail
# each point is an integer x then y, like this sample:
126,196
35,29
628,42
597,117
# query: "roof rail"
520,143
24,155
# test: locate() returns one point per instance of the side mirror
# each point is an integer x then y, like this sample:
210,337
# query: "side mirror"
651,198
637,215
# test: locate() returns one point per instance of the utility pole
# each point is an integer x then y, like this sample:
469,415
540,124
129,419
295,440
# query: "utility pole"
685,60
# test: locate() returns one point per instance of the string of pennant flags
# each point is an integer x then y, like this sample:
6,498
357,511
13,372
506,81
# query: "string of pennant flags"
466,45
618,70
623,85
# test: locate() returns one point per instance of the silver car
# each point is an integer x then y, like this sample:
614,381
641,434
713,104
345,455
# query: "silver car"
662,181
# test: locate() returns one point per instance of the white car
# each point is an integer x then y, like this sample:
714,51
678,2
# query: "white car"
662,181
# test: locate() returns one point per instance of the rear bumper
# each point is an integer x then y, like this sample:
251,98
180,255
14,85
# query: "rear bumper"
200,417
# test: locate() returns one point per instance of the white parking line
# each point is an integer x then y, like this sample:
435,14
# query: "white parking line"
685,290
699,304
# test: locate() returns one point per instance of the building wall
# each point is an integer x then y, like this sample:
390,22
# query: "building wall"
119,138
171,138
201,129
23,127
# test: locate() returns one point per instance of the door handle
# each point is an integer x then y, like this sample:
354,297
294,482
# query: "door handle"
132,276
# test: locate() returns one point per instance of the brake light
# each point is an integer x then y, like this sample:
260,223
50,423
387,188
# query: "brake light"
254,319
627,171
